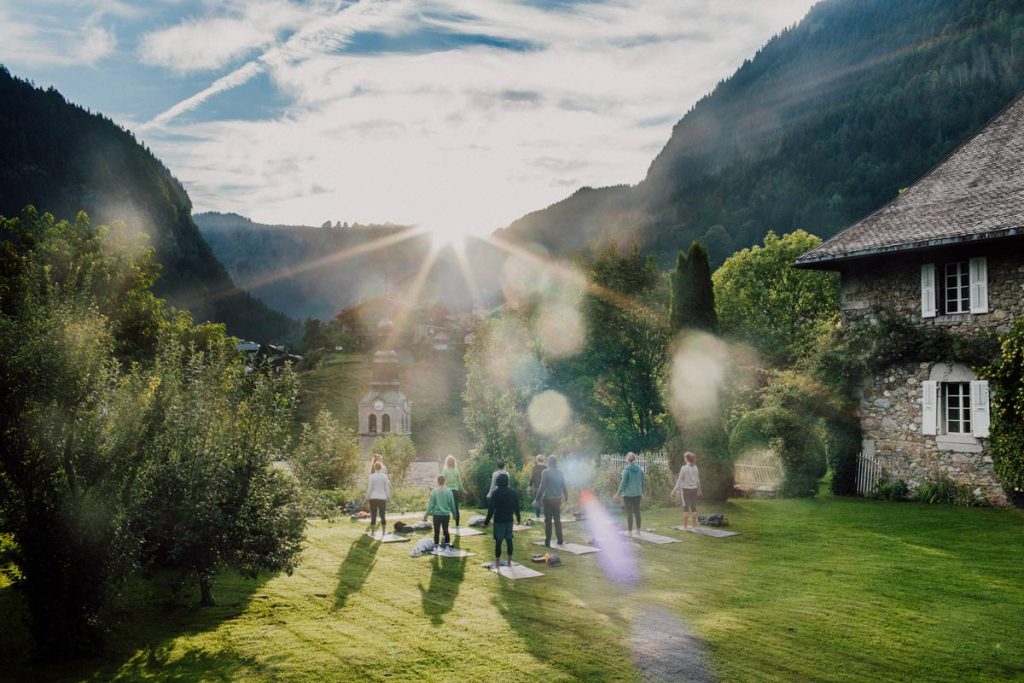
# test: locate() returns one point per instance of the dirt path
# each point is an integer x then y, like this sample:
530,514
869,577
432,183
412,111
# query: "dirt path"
665,649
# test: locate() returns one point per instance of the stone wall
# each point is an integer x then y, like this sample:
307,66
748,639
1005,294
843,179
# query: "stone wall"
890,407
891,401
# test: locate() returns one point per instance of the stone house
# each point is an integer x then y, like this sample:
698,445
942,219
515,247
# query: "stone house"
948,252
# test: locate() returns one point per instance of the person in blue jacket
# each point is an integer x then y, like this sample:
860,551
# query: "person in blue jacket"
631,490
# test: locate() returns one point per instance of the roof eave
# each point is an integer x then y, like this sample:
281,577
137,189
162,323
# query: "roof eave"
830,262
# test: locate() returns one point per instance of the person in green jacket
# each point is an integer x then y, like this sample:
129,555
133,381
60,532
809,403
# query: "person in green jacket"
631,489
441,505
454,480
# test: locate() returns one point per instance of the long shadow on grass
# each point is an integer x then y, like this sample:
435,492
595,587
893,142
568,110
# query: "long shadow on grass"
144,632
355,568
446,575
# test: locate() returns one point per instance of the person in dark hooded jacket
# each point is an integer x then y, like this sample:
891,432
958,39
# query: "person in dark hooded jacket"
631,489
503,507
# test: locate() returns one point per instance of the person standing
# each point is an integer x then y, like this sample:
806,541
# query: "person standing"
453,478
631,489
440,506
494,477
688,488
550,493
538,470
377,459
503,507
378,491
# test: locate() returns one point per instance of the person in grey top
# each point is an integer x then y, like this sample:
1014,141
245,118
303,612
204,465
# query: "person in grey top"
551,493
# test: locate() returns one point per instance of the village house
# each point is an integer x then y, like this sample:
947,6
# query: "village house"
948,252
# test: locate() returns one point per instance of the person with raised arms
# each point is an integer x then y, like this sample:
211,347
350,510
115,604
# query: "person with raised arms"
551,492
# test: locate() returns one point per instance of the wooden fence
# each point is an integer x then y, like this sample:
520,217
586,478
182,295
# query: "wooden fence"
869,472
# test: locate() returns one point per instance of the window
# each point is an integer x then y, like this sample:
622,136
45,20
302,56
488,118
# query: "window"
954,287
385,423
955,293
372,424
956,407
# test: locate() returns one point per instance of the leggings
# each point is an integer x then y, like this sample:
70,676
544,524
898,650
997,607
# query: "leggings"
441,523
497,547
632,510
552,513
456,495
377,507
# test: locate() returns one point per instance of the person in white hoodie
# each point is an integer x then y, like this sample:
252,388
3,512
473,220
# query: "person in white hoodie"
378,490
688,488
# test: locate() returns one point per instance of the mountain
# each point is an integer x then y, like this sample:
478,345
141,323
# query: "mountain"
63,159
827,122
315,272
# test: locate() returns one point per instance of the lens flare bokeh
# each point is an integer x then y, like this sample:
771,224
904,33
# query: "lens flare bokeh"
617,558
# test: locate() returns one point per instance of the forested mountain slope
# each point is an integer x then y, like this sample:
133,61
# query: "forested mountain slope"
826,123
63,159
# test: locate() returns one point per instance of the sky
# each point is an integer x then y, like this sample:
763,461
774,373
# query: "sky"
456,115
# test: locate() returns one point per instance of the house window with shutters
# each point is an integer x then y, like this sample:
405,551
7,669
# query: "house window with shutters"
954,287
955,407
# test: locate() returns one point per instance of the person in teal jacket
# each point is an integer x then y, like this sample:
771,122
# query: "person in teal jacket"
441,505
631,489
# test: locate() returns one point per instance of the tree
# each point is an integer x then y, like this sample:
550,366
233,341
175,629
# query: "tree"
74,307
1006,376
212,497
693,298
762,300
327,456
398,453
625,352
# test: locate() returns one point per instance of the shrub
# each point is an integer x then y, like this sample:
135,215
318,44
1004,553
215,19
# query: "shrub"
794,441
891,490
658,483
843,443
398,453
940,489
1006,445
327,456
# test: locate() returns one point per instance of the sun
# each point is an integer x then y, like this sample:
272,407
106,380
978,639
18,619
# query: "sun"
450,233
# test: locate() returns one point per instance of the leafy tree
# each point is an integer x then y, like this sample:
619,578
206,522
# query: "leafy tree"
327,456
693,298
398,453
779,310
625,352
71,417
1006,376
213,498
792,439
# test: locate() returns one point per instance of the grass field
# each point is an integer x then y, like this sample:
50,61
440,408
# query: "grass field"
825,590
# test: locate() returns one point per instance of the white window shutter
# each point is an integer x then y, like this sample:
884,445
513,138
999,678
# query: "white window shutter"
979,285
928,290
979,408
929,407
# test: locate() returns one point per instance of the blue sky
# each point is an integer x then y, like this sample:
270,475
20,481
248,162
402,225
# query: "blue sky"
460,115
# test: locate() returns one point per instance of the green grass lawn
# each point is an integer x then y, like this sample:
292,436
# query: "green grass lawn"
826,590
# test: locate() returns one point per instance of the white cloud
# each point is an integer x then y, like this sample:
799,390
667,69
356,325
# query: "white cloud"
23,43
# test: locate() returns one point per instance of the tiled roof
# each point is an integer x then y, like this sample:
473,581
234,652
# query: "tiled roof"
975,193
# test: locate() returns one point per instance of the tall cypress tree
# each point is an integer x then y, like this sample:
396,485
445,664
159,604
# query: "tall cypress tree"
693,299
702,295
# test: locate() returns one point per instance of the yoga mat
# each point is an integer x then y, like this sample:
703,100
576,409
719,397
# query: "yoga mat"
651,538
574,548
465,531
453,552
389,516
709,531
516,571
566,518
521,527
389,538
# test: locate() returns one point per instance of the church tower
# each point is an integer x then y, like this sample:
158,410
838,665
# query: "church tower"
384,409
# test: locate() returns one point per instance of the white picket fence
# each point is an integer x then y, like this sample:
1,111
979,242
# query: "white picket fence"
616,461
869,472
763,474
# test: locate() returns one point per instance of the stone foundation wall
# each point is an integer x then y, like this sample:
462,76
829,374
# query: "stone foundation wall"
890,407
